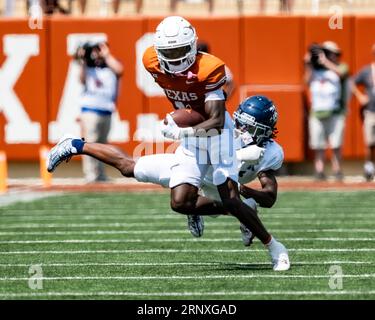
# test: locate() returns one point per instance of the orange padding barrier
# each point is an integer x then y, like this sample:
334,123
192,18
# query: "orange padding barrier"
40,83
3,172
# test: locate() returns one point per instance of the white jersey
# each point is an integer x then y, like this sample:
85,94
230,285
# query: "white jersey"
100,89
248,171
272,160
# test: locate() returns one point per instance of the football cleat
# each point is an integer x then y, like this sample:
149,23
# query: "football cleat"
62,151
195,225
369,171
247,236
279,256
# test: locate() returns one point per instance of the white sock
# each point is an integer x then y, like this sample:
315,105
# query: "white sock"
271,243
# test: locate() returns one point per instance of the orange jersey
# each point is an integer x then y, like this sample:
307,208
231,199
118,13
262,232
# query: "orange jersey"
208,74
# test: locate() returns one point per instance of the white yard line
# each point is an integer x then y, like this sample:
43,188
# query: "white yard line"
177,240
171,264
186,294
172,231
192,277
182,251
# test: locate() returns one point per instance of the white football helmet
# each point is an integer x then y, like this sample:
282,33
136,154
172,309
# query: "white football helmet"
175,43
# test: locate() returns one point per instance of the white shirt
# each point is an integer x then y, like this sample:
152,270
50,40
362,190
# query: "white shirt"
325,88
100,90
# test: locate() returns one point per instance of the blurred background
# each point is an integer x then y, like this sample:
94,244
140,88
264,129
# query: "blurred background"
95,8
264,43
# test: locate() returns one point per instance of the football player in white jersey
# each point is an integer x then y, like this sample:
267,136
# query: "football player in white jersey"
258,155
255,121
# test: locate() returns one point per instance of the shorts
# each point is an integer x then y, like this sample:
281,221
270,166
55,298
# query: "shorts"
196,155
156,168
369,128
325,130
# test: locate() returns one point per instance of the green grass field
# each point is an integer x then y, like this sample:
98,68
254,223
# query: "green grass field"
131,246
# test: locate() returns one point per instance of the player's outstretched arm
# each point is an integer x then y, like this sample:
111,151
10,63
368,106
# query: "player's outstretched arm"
266,197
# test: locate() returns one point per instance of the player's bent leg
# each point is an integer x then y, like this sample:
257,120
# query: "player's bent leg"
231,200
248,217
209,190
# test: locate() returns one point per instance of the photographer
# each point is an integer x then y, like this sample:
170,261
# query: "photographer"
100,74
326,78
366,79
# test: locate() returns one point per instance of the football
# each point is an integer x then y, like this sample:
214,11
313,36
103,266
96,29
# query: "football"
186,118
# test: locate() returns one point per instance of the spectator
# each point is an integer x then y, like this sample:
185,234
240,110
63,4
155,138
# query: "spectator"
366,78
9,8
229,84
115,5
285,6
326,77
53,6
100,74
173,4
82,6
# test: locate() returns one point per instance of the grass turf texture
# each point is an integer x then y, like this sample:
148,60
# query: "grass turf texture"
131,246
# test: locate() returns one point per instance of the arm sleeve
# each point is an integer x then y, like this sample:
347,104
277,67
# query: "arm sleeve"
150,60
214,95
215,79
272,160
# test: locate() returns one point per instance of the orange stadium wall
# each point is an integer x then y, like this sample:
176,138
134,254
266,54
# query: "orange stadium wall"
39,80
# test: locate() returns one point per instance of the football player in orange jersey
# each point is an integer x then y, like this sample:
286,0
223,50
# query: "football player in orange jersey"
192,79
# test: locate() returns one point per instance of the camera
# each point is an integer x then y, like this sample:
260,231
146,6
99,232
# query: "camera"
315,50
85,53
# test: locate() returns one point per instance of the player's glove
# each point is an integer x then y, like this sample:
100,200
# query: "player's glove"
252,154
172,131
